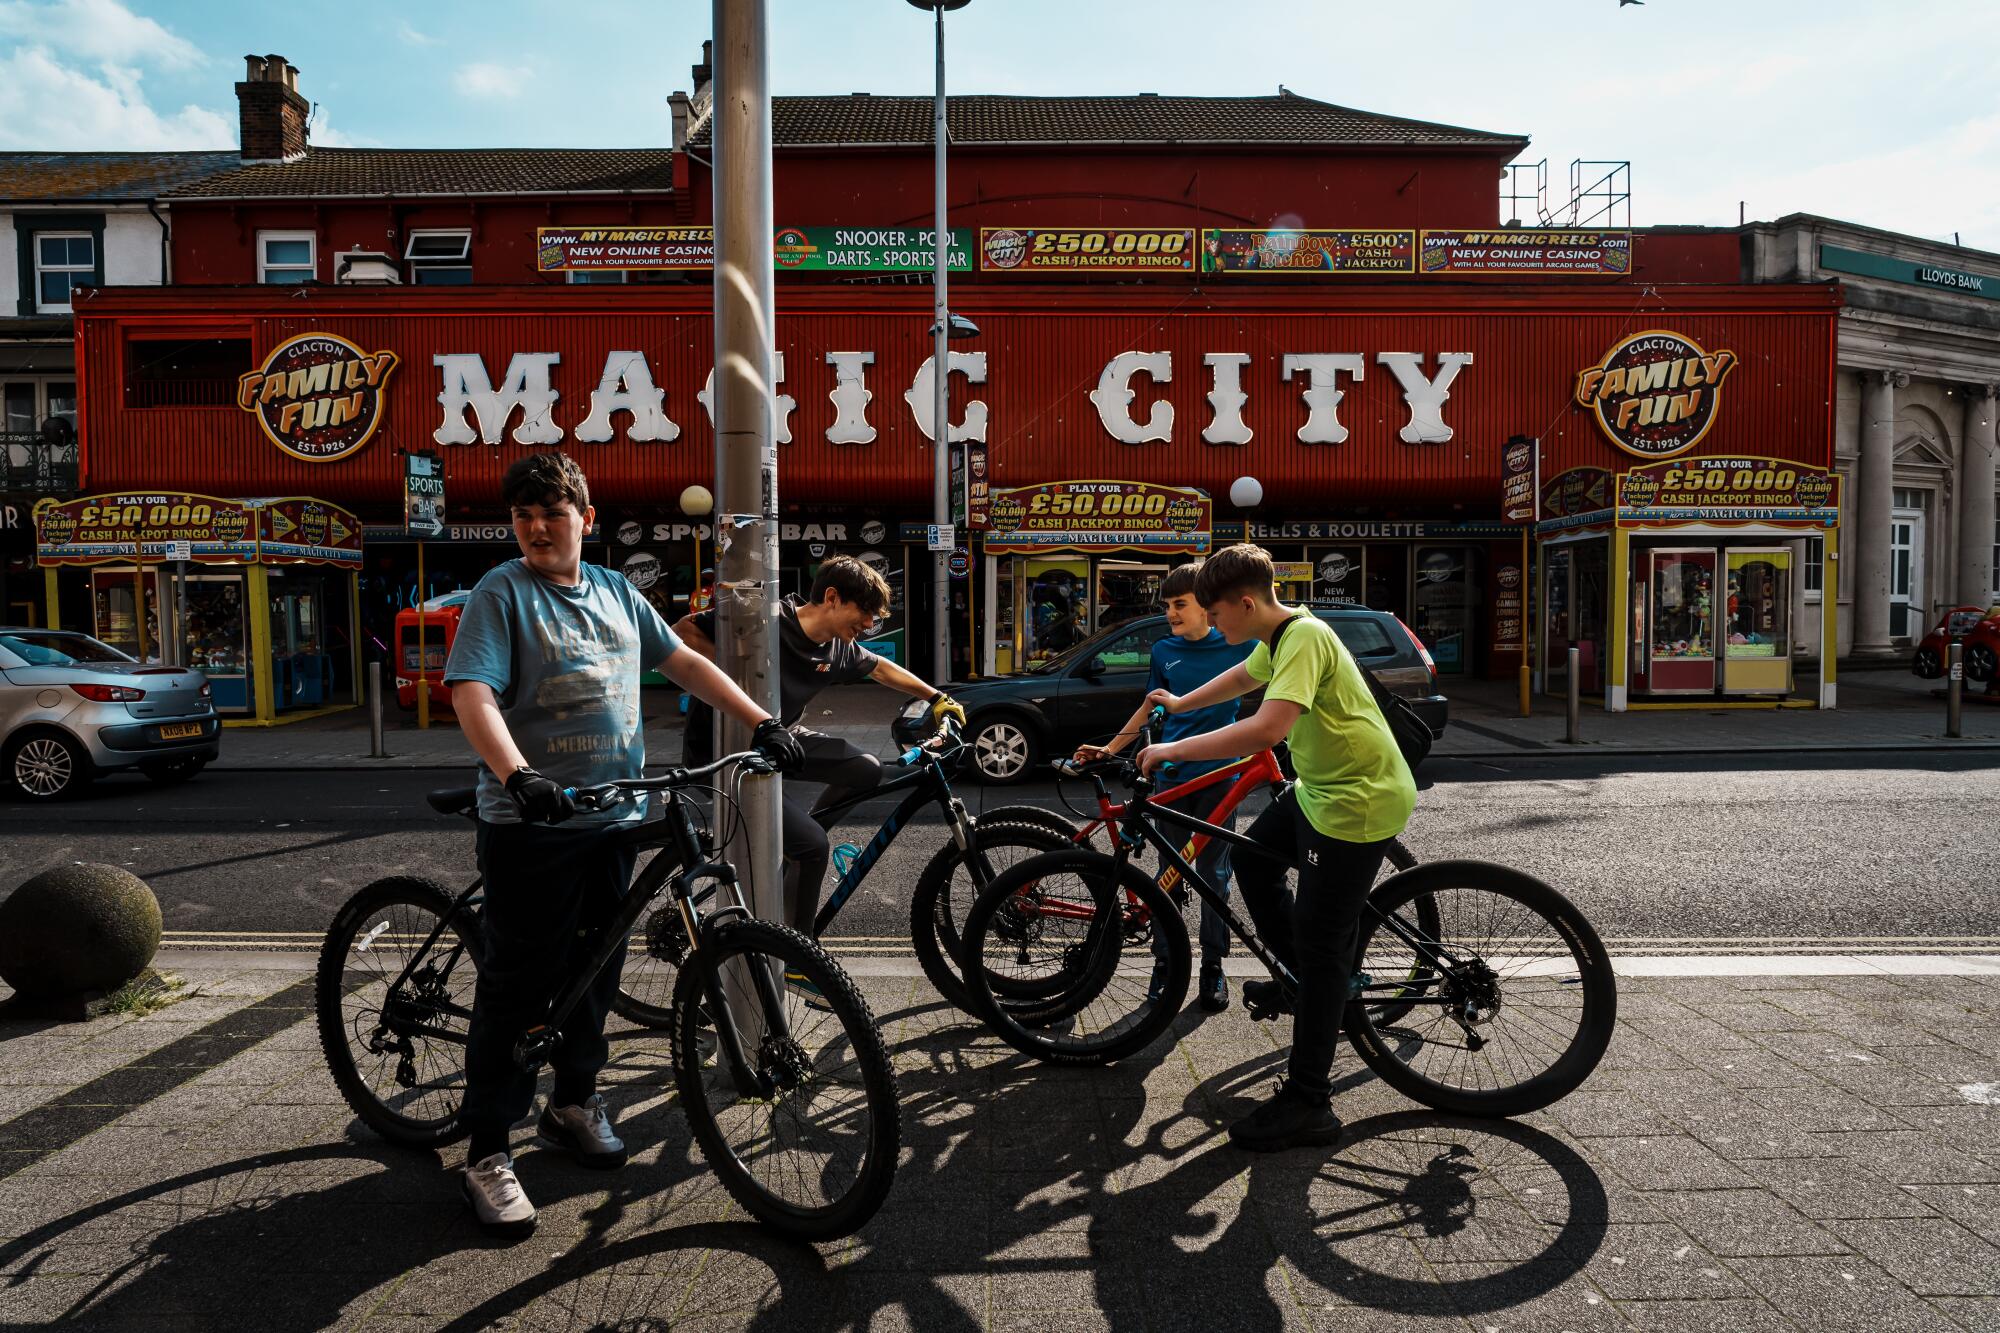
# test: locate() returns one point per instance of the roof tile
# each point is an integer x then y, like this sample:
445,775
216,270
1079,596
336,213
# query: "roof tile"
60,177
407,172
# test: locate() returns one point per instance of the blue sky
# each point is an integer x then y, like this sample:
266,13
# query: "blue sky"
1880,113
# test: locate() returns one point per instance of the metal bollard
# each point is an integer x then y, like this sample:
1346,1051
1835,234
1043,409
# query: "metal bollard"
375,750
1575,720
1954,690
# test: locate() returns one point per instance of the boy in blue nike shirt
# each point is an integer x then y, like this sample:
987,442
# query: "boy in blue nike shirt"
1188,658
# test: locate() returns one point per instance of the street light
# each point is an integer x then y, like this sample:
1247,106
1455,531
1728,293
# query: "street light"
944,327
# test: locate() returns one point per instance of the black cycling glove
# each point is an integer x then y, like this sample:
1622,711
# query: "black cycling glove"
540,800
774,740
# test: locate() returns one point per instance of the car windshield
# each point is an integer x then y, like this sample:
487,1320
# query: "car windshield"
48,648
1076,652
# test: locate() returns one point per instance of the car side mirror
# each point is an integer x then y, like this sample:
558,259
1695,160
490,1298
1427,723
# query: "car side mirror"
1092,669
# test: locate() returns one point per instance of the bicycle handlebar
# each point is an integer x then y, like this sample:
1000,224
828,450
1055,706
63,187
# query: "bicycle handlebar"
607,795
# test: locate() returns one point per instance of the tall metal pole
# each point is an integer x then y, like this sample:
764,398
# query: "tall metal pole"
746,508
941,378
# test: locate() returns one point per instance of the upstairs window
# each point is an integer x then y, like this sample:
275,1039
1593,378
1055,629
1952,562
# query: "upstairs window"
598,275
63,259
439,257
286,256
185,372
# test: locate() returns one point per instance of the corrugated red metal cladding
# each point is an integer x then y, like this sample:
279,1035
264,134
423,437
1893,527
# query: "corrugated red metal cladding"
1045,347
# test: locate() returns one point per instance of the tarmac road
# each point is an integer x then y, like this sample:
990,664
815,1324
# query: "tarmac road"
1810,852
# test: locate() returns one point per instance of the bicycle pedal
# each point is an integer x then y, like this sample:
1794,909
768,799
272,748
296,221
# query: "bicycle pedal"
1262,1014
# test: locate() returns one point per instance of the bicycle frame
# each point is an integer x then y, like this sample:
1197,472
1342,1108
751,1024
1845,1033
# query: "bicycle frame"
1135,830
928,783
680,873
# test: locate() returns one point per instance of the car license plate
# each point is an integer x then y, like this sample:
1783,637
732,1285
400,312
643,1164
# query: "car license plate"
180,731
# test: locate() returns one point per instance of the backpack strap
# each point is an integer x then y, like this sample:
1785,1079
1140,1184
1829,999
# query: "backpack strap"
1279,632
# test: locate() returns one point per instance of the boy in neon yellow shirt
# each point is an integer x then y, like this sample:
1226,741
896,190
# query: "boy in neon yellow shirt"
1353,794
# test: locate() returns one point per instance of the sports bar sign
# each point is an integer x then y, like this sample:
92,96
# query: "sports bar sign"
1094,515
1522,251
794,249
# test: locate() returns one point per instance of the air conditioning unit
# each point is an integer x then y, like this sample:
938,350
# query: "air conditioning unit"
366,268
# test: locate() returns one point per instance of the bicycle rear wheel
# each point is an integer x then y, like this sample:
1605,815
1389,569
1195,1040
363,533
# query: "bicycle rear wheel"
653,958
1501,1008
1059,824
810,1145
397,1052
945,892
1062,925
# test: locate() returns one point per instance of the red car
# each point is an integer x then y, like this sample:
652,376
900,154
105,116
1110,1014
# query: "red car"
1977,628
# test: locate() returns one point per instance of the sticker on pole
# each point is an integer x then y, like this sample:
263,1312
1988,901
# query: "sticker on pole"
940,537
180,551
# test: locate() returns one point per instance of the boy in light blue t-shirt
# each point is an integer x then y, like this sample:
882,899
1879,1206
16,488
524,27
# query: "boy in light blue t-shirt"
1185,660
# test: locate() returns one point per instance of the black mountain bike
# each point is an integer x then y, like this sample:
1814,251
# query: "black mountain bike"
794,1107
974,853
1477,990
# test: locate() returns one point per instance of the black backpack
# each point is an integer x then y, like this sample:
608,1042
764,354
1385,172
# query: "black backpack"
1413,736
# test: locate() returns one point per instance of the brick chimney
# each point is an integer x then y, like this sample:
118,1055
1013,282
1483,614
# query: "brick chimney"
271,114
704,84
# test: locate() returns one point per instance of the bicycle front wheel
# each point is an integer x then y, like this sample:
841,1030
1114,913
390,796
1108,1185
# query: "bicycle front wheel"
1490,994
946,889
1066,927
805,1137
395,1043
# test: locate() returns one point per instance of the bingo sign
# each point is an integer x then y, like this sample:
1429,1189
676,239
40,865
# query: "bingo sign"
98,528
1656,393
1301,251
317,396
304,531
1729,490
1086,249
1101,515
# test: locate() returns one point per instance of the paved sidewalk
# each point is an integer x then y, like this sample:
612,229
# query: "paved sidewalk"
1755,1153
1879,710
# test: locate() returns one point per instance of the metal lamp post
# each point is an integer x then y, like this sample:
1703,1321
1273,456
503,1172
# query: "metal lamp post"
941,332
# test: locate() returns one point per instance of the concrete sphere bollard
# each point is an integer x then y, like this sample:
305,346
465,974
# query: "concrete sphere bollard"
77,928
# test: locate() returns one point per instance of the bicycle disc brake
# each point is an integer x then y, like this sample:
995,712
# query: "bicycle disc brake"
666,936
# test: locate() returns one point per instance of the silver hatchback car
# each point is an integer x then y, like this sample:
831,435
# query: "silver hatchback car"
72,707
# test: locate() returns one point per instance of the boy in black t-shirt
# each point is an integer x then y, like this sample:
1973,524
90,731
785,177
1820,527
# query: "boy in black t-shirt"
817,647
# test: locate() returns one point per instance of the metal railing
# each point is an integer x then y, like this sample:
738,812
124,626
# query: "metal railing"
31,462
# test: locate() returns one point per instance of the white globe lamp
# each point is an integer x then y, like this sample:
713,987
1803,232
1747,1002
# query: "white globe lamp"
1246,492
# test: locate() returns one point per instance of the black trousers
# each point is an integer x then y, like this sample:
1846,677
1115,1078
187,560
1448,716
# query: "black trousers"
550,891
1313,932
845,768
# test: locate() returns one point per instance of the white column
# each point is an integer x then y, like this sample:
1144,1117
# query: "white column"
1874,493
1976,484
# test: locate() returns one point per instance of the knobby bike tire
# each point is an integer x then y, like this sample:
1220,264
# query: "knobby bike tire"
652,962
1558,997
1029,814
940,901
1064,1030
411,906
696,1062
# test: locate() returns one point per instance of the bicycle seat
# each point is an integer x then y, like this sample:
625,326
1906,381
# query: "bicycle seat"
454,800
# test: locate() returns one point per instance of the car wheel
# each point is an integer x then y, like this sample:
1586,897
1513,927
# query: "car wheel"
1981,662
1927,665
1003,750
46,766
168,772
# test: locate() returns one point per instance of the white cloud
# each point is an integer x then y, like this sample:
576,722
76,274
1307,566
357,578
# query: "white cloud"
414,38
97,31
45,104
488,80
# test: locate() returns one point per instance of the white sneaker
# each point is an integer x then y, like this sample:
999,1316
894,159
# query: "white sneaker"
497,1199
586,1131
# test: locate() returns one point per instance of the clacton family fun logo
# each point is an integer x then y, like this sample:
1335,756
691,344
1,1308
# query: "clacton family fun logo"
1656,393
318,396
